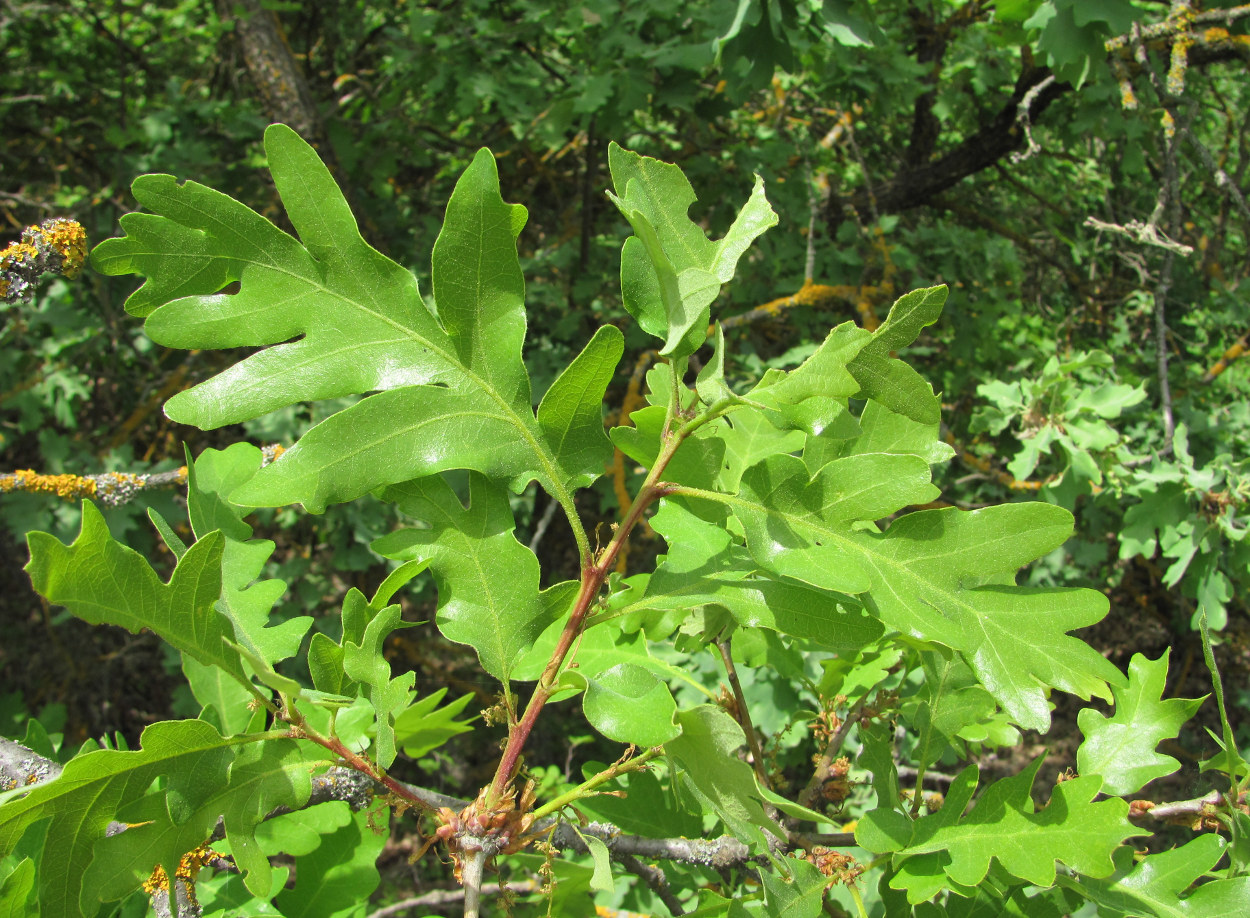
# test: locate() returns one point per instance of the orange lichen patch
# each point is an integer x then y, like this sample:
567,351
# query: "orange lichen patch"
69,239
1238,349
1179,64
812,294
69,487
188,869
57,245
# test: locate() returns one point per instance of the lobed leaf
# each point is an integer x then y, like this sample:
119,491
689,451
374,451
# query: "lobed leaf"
1121,747
336,318
95,787
488,594
670,271
104,582
949,847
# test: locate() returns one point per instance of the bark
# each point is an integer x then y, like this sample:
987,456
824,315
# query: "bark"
278,77
915,185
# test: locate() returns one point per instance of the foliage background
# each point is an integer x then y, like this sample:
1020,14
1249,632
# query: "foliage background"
885,133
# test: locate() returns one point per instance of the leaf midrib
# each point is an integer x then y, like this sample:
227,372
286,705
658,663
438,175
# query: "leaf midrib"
547,462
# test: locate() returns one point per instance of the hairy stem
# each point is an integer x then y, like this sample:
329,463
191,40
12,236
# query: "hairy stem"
301,730
594,573
744,715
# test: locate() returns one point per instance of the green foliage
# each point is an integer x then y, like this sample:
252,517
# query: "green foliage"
786,498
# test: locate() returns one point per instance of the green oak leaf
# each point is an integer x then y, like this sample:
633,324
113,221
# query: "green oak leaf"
951,848
16,886
696,463
364,663
225,701
801,894
699,571
102,581
706,754
786,513
248,602
951,700
627,703
749,437
946,576
1155,884
571,412
1121,747
424,726
824,375
262,777
93,788
487,581
670,271
888,380
336,318
648,808
881,432
342,872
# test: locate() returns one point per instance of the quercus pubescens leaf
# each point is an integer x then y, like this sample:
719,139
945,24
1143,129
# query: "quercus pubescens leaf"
629,704
88,794
706,754
246,601
364,663
888,380
670,271
451,391
424,726
954,847
1156,883
102,581
946,576
488,594
261,777
697,572
1121,747
341,872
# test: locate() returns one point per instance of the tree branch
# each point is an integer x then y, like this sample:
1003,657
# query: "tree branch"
915,186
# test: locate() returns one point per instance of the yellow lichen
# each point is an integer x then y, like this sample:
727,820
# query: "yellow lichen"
1179,64
69,487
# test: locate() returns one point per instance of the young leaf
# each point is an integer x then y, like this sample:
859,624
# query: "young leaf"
670,271
571,413
424,726
1121,748
890,381
212,479
102,581
487,581
365,663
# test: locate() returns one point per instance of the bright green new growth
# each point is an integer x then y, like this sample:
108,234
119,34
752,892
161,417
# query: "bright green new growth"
785,510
